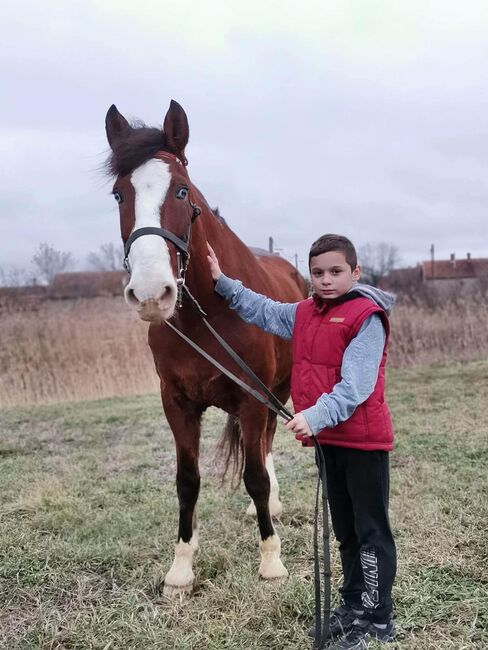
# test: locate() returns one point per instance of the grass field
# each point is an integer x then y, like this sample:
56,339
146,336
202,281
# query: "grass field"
89,516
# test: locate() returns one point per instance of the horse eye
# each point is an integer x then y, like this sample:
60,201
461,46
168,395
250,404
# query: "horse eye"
182,193
118,197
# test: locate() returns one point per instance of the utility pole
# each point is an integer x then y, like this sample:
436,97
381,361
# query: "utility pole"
271,245
432,260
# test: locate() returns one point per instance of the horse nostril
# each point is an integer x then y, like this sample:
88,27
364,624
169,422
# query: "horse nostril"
166,292
131,297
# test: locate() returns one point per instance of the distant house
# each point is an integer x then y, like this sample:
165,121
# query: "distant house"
87,284
402,279
445,275
464,269
469,274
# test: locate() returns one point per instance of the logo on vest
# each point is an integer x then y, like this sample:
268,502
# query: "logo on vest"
336,319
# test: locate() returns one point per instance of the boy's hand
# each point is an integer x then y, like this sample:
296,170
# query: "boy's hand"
213,263
299,425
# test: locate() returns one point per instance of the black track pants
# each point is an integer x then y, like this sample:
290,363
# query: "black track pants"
358,486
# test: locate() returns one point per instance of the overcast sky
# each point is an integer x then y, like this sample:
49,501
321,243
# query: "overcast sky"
367,118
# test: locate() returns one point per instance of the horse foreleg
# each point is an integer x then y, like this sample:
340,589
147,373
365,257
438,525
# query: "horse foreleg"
186,430
257,482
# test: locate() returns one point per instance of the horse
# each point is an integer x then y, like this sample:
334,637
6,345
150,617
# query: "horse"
154,191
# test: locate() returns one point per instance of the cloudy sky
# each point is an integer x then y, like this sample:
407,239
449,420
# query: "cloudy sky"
367,118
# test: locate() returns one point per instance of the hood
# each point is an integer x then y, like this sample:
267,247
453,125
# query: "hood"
382,298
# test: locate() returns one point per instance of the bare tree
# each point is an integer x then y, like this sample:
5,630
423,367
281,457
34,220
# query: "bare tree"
15,276
377,260
48,261
110,257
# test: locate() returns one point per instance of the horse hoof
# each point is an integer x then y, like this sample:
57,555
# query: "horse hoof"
274,570
177,591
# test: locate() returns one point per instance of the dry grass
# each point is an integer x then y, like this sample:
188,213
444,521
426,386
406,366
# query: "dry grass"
96,348
81,350
454,332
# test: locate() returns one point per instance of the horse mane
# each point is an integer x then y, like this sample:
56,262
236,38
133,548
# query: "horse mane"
216,212
135,146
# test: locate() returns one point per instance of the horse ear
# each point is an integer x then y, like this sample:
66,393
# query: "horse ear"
175,129
115,125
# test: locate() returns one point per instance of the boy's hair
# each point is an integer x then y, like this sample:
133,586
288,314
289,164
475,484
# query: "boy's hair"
338,243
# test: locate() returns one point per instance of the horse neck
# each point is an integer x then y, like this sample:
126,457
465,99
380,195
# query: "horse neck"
227,246
198,278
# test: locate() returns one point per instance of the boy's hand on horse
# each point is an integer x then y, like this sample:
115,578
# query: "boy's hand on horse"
298,424
213,263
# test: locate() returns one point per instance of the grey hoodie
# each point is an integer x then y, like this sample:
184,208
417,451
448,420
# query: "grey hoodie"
361,360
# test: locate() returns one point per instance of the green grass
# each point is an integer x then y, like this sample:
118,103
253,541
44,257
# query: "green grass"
88,517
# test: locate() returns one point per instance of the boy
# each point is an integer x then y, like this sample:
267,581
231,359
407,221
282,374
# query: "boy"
339,341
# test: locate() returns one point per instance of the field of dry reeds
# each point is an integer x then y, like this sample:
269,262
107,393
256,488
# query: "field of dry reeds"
96,348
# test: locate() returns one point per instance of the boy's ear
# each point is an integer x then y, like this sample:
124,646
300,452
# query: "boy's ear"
356,274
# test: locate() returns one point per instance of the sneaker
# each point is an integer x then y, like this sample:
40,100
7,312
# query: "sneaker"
362,631
341,619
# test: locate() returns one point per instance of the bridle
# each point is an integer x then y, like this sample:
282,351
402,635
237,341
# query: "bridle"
182,243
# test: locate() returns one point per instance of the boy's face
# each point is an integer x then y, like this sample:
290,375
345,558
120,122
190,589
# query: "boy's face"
331,275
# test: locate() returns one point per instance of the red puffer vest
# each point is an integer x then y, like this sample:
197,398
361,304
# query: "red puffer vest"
321,335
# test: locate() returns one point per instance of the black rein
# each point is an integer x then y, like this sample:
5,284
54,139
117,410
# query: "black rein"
268,399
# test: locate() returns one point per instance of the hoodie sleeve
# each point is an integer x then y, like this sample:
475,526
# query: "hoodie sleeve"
359,372
274,317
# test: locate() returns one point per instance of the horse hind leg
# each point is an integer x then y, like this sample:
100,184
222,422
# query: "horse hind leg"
257,482
275,505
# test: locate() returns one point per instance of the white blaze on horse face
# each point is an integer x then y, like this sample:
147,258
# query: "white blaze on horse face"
151,274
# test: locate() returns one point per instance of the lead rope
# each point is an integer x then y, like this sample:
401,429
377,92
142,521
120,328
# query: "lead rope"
322,617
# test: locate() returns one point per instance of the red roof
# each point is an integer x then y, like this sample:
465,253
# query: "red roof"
455,269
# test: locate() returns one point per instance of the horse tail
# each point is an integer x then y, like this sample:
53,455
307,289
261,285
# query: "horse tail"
231,448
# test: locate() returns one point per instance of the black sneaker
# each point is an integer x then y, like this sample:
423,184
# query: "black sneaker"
362,631
341,619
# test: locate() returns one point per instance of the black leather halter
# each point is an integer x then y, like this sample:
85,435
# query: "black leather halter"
182,244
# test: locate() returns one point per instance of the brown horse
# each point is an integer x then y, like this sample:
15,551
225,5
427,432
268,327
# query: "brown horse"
154,191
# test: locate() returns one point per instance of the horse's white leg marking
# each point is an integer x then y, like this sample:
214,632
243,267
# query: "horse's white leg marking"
180,577
271,566
275,505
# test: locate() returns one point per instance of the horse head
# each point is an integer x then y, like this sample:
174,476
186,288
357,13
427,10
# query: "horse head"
154,194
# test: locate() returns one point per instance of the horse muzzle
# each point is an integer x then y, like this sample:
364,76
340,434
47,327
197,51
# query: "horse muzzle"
154,312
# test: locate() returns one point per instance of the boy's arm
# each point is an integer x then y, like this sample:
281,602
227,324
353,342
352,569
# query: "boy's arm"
271,316
359,371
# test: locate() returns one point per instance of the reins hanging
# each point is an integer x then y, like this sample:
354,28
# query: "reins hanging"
322,613
268,399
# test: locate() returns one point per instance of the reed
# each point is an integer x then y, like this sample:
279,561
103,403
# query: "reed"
66,351
72,351
455,332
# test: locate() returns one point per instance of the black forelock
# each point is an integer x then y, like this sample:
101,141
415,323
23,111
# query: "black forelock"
133,148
